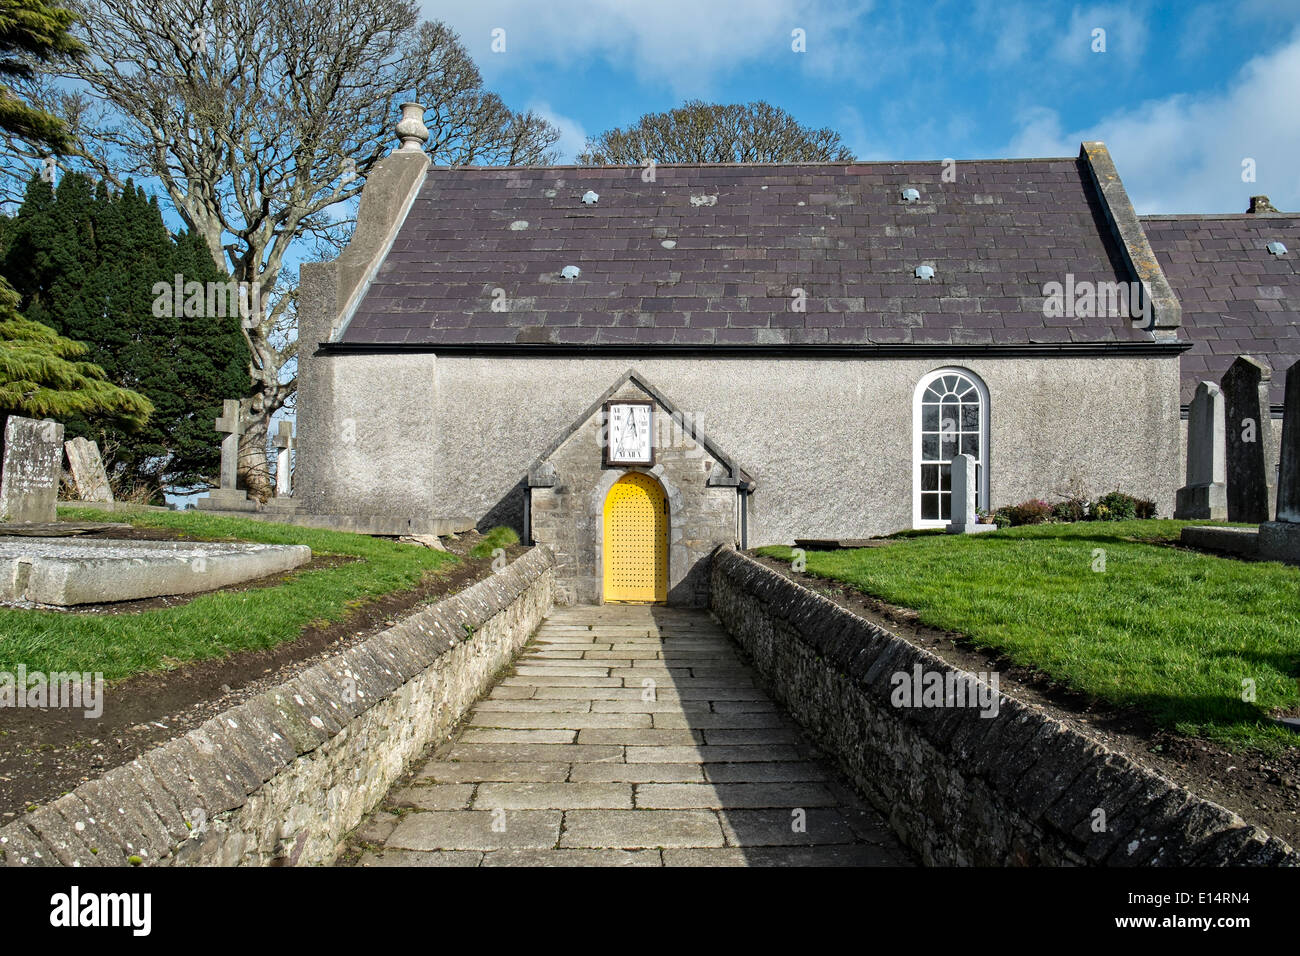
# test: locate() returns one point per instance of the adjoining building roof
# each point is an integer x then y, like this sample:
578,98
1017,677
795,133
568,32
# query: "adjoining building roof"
1237,297
715,255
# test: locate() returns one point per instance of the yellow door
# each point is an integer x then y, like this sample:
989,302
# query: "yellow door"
636,540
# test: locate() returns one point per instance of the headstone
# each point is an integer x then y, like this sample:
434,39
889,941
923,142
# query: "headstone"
1250,463
283,460
33,461
1205,495
87,470
963,519
232,423
1280,539
228,497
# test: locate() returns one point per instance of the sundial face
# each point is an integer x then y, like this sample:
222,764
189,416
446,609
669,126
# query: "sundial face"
629,439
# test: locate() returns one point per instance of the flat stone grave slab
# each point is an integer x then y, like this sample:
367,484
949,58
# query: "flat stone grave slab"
59,529
1236,540
65,572
836,544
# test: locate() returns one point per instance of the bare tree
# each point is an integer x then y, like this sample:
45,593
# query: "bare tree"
699,132
261,119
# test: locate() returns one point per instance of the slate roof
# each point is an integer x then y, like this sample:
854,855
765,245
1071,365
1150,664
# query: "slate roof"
1237,298
745,236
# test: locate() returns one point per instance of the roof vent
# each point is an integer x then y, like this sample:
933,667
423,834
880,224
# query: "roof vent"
590,198
925,272
570,272
1277,248
911,195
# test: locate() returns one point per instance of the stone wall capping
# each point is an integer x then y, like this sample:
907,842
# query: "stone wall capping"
1143,267
1020,787
283,776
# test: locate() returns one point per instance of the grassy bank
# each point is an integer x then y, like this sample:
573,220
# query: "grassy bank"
1109,609
214,625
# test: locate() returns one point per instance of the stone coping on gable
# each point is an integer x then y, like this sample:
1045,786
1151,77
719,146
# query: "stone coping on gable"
1017,788
284,776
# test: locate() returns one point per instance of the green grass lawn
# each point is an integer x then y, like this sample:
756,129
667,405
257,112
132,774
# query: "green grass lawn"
214,625
1169,632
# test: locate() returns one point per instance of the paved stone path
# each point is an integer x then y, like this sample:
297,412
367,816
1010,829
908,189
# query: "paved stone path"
626,735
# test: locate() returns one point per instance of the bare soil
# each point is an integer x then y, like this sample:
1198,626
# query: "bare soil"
1263,787
46,753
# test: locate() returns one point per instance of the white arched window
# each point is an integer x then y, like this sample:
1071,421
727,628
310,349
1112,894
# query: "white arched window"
950,417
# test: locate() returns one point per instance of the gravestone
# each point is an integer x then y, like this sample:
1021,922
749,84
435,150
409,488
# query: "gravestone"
1251,468
228,497
283,460
963,519
1205,495
87,470
33,461
1280,539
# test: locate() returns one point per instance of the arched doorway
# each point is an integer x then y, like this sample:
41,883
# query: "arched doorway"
636,540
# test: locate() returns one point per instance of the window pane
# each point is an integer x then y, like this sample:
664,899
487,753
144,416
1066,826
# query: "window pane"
929,447
930,507
949,445
929,477
970,418
930,418
949,383
945,477
946,512
970,445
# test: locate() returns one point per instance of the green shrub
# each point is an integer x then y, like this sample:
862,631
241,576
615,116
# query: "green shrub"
1070,509
498,537
1033,511
1116,506
1146,508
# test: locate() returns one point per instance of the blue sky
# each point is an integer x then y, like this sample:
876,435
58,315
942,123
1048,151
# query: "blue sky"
1183,94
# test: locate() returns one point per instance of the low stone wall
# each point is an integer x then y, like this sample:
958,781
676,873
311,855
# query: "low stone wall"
283,777
1019,788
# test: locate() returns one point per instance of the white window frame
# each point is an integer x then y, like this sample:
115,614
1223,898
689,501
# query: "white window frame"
982,495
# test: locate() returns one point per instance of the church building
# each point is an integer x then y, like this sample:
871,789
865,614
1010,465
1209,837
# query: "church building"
634,365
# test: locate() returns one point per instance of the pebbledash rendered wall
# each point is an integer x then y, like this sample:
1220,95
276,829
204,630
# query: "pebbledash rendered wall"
828,442
282,778
1019,788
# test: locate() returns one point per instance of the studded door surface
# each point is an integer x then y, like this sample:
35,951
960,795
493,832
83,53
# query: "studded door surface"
636,541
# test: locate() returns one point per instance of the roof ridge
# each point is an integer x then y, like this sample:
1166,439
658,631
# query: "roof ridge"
774,165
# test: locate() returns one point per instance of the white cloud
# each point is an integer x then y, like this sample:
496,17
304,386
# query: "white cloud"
573,138
1184,153
1125,34
683,44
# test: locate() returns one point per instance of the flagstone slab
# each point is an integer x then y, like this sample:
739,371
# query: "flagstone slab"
476,830
553,796
729,796
629,829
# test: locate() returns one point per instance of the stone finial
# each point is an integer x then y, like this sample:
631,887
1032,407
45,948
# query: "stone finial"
411,129
1260,204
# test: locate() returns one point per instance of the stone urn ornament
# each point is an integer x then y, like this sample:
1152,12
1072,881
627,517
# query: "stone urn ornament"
411,129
